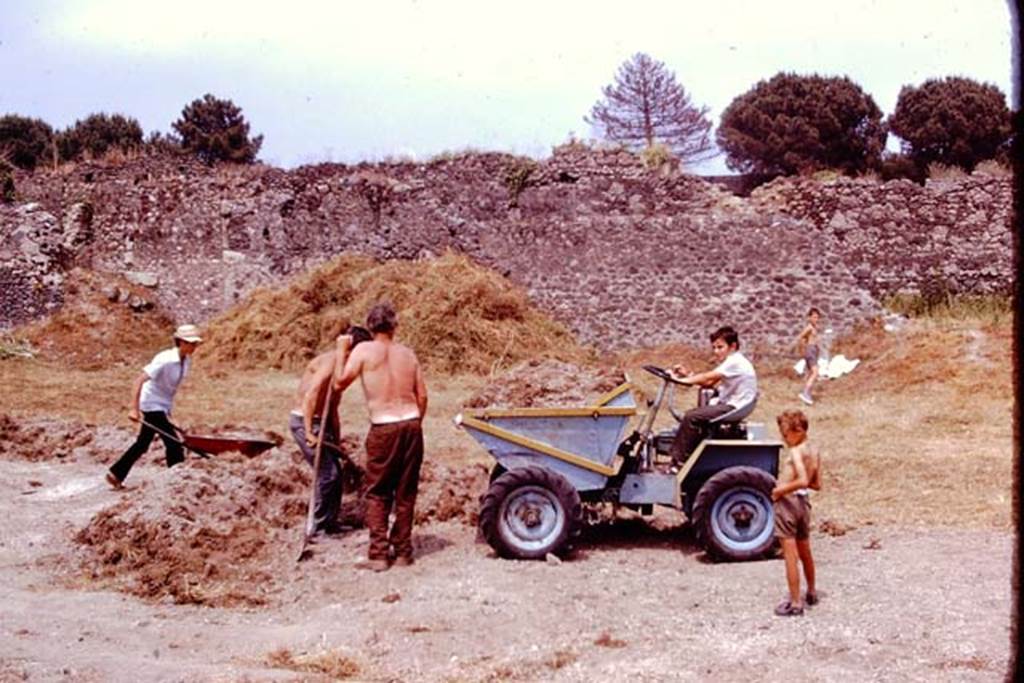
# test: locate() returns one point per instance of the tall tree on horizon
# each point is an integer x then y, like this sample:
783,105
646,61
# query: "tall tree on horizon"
646,105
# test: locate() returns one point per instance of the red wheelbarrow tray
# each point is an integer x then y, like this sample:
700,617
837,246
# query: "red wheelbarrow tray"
222,444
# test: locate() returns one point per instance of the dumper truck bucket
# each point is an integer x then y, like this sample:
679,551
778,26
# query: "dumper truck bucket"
579,443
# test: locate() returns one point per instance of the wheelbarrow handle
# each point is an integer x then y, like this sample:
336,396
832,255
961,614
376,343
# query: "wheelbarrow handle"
201,453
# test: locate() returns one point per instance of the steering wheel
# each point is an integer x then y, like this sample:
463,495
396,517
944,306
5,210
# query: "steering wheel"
664,374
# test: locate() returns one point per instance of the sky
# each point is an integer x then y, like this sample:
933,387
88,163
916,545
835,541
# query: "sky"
354,80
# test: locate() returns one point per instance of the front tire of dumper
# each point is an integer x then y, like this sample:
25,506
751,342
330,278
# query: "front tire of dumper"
733,514
529,512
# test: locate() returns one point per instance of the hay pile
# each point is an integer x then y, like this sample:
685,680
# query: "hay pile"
97,324
458,316
547,383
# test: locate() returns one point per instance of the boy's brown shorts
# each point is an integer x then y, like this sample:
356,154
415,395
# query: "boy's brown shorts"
793,517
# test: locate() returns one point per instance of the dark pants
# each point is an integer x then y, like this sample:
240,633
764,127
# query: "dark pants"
327,501
172,448
692,428
394,453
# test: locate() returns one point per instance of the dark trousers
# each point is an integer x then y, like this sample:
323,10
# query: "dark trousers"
394,453
172,448
692,428
327,500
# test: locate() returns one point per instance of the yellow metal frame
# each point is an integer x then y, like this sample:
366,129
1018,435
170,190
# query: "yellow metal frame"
541,447
607,398
594,411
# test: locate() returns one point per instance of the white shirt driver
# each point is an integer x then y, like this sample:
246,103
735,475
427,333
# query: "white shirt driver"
739,381
165,372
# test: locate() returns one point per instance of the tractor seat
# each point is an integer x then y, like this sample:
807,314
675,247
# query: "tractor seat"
731,424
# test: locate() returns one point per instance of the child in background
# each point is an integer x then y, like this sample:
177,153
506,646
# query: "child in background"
800,471
809,346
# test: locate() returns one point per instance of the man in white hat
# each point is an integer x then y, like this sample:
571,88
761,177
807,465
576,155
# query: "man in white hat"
152,397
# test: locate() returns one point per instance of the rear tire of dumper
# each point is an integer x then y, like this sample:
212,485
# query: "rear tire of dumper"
529,512
733,514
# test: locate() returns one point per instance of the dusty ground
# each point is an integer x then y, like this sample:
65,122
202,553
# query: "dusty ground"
914,544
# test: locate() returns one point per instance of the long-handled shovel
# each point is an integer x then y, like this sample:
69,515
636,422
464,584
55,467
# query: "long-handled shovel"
310,511
198,451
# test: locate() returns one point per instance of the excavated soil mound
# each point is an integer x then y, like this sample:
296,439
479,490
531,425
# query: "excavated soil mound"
40,439
202,532
457,316
104,319
211,532
547,383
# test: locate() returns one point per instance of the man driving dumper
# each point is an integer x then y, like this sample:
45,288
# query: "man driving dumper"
736,382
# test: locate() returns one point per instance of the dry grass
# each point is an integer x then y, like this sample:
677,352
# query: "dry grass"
921,433
330,663
459,317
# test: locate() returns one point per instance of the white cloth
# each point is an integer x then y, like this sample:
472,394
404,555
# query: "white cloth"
829,368
739,381
165,372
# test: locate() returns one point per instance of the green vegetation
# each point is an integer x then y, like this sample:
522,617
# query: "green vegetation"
946,306
800,124
517,178
215,130
25,142
98,134
953,121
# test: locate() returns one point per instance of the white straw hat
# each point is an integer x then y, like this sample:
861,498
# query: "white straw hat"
189,333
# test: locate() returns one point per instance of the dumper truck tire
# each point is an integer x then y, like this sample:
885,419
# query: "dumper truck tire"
529,512
733,515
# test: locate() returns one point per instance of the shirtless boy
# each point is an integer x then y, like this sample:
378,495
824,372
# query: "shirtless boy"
800,471
808,345
304,423
396,398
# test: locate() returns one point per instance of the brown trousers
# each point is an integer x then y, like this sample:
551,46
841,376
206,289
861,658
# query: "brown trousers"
394,453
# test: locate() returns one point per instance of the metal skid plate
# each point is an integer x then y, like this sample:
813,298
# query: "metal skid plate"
650,487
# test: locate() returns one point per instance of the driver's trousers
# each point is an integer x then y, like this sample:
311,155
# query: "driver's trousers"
692,428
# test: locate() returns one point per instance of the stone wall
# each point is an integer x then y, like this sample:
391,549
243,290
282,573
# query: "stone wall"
624,255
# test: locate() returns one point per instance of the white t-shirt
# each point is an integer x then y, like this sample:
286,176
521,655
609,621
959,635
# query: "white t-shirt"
165,372
739,381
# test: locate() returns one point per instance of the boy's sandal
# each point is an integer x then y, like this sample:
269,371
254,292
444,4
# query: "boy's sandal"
787,609
811,598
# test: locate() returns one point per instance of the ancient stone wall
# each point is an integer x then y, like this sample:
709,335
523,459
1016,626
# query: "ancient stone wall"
624,255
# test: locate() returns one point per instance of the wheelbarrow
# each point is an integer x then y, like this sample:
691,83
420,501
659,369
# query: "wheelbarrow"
205,446
550,461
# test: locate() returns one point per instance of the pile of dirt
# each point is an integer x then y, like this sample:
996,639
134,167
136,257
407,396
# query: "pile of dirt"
104,319
547,383
206,533
458,316
39,439
211,532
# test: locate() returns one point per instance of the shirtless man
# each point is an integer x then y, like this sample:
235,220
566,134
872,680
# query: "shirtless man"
396,397
304,422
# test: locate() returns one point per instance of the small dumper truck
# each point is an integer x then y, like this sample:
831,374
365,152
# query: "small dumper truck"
552,461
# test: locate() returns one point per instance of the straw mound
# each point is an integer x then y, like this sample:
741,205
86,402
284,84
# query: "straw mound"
221,532
39,439
456,315
547,383
97,326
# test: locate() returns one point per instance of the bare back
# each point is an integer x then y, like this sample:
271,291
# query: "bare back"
319,365
391,378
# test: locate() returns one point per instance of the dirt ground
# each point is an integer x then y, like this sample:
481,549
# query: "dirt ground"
190,573
633,601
